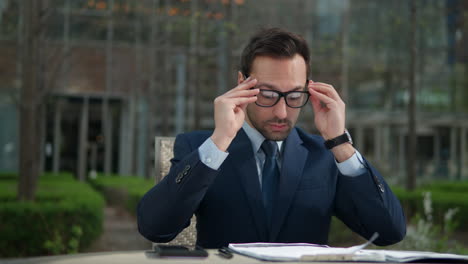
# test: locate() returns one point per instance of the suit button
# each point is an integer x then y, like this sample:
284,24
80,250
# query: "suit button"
179,178
381,187
187,168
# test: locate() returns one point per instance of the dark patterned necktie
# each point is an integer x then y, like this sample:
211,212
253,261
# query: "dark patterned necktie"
270,176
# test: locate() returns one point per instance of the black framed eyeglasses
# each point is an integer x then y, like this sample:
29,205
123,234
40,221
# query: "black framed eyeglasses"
293,99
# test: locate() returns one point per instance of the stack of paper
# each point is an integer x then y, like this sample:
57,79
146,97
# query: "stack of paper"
311,252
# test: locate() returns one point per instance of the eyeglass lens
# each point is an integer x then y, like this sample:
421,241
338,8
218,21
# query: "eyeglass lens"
270,98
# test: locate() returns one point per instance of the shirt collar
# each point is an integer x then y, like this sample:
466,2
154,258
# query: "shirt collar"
256,138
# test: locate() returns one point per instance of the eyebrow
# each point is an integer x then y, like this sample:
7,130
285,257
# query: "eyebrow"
274,87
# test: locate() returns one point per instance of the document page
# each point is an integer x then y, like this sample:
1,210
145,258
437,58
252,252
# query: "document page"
411,256
297,251
312,252
289,252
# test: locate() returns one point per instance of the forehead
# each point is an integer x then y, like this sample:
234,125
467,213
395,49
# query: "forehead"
287,70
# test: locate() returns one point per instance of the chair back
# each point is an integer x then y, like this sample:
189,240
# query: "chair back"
163,154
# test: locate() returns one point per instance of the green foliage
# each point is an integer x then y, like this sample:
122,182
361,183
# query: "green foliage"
341,236
444,186
432,221
426,235
66,216
57,245
8,176
445,196
124,191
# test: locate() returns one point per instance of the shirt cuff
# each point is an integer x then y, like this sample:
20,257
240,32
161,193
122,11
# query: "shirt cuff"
353,166
210,155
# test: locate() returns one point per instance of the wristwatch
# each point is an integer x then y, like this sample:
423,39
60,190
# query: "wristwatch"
344,138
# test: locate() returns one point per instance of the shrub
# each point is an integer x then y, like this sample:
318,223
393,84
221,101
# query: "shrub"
124,191
444,186
445,196
341,236
8,176
66,216
426,235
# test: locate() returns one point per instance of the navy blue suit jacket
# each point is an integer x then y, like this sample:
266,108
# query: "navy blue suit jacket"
228,202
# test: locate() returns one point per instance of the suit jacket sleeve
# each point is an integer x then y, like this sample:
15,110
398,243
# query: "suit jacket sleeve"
166,209
366,204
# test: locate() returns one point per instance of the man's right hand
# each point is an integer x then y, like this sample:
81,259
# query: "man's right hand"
230,111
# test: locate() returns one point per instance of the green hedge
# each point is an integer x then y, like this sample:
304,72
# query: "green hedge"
125,191
128,190
66,216
444,186
8,176
444,196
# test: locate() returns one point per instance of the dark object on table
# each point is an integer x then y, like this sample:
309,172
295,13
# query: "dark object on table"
162,251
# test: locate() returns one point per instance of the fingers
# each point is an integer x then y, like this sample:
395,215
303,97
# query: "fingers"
328,108
235,98
316,104
241,93
324,88
229,111
323,95
245,85
235,101
240,101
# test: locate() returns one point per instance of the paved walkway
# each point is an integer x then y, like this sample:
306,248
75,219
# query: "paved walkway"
120,233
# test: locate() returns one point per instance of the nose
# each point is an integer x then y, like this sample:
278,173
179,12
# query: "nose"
280,109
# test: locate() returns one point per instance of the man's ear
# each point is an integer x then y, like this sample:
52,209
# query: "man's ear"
240,77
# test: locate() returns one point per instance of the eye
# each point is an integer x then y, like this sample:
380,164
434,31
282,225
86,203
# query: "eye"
295,96
268,94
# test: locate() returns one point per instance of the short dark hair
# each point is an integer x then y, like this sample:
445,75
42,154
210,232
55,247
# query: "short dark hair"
275,43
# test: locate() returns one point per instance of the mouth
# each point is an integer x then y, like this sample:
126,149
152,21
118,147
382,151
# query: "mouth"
278,127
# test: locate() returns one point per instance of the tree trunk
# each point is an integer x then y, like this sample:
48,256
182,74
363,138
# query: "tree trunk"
345,54
29,155
412,138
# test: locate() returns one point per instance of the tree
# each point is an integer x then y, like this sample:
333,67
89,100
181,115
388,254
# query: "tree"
29,150
35,86
411,164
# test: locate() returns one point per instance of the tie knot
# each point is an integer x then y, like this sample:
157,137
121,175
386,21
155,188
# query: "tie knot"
270,148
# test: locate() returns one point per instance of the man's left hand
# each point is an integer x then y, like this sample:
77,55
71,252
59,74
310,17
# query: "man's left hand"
328,108
330,116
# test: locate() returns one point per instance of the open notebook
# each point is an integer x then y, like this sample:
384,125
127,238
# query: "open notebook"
312,252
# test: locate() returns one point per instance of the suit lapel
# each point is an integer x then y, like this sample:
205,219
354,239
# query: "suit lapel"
294,158
243,162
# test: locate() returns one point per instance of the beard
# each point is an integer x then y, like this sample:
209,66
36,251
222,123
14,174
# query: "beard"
264,127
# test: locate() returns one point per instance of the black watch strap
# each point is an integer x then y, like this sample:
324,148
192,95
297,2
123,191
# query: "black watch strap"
344,138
